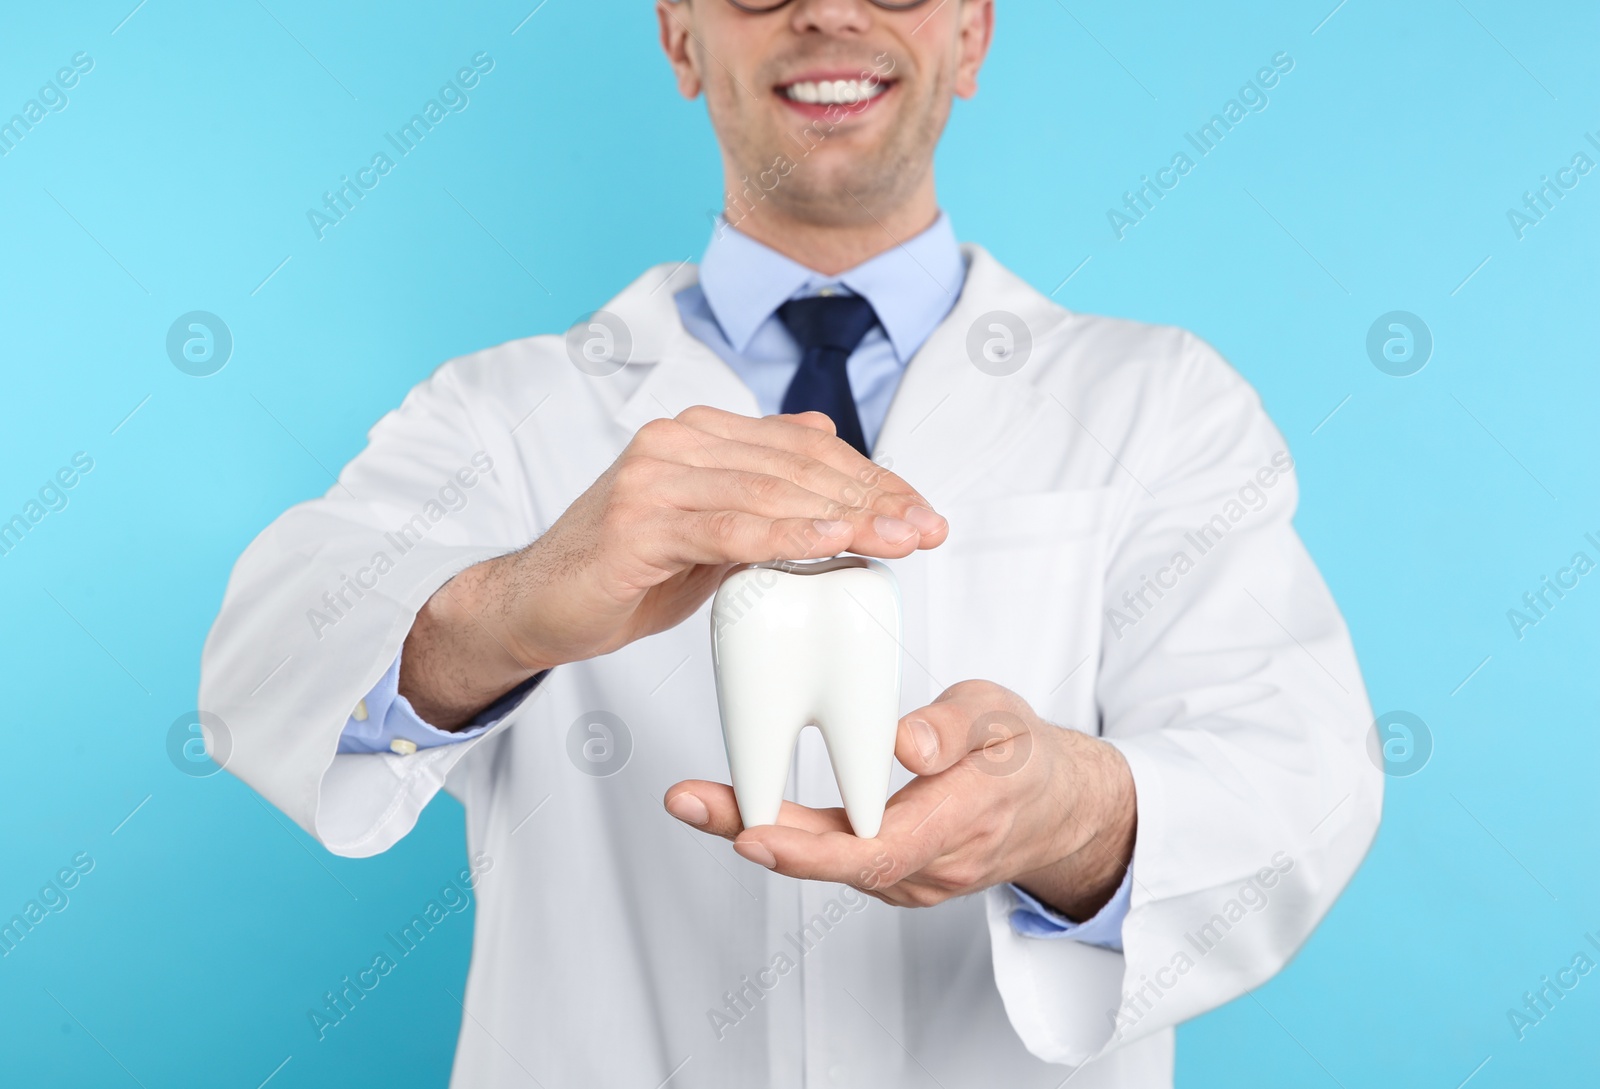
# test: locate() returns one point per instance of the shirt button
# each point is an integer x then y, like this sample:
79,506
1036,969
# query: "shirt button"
360,713
402,746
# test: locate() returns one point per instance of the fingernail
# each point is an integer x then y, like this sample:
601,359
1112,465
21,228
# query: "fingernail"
756,853
926,740
893,530
689,809
832,529
924,519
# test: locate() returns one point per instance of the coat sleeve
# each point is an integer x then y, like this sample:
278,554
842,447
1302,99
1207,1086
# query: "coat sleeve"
320,603
1228,681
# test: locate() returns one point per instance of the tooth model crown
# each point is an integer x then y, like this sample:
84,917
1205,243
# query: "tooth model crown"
809,642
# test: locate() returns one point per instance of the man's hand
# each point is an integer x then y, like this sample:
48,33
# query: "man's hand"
645,546
1000,796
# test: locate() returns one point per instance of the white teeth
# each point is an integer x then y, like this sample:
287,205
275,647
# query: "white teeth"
843,92
801,643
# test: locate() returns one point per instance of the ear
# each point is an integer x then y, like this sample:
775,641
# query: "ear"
675,17
976,32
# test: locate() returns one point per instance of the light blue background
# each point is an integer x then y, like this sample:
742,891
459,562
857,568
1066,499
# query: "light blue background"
1378,179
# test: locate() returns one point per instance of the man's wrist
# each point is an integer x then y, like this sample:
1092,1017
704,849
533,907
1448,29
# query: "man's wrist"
1099,825
460,655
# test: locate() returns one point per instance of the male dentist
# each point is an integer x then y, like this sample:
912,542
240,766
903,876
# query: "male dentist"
1134,769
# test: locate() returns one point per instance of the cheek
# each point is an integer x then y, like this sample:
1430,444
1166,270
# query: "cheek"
733,59
923,112
738,118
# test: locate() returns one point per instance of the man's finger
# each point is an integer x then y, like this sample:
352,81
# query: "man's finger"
906,843
870,487
696,490
970,717
835,856
680,538
707,806
712,807
810,433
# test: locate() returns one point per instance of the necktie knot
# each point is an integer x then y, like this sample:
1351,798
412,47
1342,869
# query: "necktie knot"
834,322
827,328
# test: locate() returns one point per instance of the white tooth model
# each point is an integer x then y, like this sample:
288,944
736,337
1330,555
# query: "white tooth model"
801,642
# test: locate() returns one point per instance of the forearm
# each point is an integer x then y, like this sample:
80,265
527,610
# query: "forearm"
460,655
643,548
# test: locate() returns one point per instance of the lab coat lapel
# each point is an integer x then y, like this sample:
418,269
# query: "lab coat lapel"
949,420
668,369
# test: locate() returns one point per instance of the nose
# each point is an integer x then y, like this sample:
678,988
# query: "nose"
831,16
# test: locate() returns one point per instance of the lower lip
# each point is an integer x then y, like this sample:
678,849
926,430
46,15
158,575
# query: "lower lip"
824,111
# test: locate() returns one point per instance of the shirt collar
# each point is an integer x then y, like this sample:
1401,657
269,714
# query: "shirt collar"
911,286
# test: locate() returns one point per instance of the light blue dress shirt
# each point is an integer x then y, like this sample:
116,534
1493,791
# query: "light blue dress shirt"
733,311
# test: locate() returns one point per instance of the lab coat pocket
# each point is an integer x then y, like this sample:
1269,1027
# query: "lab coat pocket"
1015,597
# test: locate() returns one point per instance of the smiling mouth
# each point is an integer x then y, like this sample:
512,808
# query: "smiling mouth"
834,92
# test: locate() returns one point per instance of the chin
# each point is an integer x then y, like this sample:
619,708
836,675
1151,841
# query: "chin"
846,198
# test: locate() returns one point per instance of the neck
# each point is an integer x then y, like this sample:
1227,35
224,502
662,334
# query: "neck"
837,244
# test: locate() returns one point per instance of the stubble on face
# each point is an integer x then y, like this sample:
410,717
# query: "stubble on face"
833,172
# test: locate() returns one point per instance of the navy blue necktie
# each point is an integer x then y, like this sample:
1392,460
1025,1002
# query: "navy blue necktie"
827,328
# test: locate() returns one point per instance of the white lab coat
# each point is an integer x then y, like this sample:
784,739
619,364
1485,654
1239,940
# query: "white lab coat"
608,932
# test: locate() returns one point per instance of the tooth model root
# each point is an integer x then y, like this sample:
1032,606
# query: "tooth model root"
809,643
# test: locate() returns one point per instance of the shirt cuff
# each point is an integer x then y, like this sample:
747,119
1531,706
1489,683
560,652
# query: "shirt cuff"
1032,919
385,717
